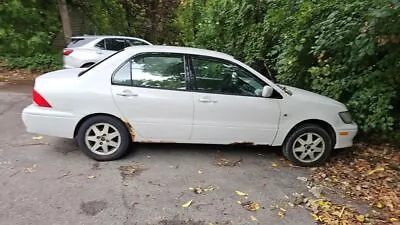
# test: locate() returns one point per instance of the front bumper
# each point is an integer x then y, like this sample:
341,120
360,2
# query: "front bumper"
345,135
47,121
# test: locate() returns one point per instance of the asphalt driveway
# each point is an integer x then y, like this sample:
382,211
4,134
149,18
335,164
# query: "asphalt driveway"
47,180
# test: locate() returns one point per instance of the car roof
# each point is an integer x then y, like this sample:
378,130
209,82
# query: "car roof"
176,49
104,36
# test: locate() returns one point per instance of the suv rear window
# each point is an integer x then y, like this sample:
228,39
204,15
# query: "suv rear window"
78,42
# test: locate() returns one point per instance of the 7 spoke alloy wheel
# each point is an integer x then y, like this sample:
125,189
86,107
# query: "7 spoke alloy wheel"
102,139
308,145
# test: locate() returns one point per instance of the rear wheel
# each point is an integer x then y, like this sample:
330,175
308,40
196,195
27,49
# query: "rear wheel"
308,145
103,138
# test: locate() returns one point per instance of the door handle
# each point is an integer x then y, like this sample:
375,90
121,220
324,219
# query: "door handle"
206,100
127,93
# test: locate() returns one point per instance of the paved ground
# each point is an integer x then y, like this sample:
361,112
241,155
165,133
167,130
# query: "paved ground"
49,181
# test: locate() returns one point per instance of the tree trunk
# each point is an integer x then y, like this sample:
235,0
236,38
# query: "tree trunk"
66,23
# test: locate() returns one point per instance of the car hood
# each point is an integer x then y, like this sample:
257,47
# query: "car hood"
309,96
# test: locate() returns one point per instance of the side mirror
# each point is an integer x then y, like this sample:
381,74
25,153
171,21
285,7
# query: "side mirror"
267,91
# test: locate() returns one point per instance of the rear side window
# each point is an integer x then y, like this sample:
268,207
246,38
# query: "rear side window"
114,44
133,42
78,42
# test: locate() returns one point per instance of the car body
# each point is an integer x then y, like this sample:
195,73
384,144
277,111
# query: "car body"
84,51
184,95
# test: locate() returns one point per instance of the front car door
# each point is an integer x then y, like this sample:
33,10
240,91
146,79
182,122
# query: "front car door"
228,104
151,92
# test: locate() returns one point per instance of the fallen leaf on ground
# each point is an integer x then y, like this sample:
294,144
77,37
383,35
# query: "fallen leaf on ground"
251,206
131,170
37,138
376,170
91,177
30,169
274,164
239,193
221,161
200,172
187,204
253,218
199,190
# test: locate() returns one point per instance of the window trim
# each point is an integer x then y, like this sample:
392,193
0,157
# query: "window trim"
210,58
185,63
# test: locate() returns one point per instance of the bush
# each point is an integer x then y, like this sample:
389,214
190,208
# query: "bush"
40,62
347,50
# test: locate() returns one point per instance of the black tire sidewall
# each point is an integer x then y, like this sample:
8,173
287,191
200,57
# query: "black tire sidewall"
307,128
122,129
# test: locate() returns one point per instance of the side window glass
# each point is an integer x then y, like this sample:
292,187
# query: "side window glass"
221,77
123,75
159,71
114,44
133,42
101,45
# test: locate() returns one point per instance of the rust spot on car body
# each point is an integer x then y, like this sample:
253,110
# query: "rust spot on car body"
130,129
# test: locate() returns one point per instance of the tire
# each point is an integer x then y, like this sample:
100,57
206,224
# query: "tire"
103,138
301,151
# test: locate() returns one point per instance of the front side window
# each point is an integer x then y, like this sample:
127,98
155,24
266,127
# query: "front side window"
222,77
153,71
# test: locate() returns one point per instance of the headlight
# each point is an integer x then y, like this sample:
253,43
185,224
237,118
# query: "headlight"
346,117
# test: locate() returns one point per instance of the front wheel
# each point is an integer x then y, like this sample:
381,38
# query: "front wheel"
308,145
103,138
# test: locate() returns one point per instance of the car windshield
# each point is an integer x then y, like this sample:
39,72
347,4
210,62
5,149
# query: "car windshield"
99,62
78,42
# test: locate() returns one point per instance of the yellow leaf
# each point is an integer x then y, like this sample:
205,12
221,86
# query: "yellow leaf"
239,202
379,205
393,220
91,177
282,209
187,204
376,170
274,164
241,193
210,224
253,218
37,138
360,218
315,217
281,214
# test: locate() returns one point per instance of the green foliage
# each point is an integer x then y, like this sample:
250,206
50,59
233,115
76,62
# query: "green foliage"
43,62
346,49
27,27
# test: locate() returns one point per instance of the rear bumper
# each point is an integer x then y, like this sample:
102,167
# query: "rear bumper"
47,121
345,136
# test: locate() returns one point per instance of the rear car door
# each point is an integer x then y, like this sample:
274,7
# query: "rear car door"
151,92
228,104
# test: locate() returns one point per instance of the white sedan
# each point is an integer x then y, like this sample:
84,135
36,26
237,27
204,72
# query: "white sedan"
184,95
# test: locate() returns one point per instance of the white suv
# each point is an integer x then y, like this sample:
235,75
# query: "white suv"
84,51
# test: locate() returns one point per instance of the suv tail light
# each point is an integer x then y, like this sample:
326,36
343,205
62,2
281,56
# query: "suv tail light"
39,100
67,51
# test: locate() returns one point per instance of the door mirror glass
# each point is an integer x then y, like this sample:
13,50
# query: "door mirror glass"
267,91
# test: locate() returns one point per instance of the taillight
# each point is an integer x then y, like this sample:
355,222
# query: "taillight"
39,100
67,51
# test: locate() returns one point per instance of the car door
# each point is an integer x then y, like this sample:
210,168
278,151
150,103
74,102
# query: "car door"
150,91
228,104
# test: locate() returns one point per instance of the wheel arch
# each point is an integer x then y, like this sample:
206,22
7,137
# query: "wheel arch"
127,125
323,124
